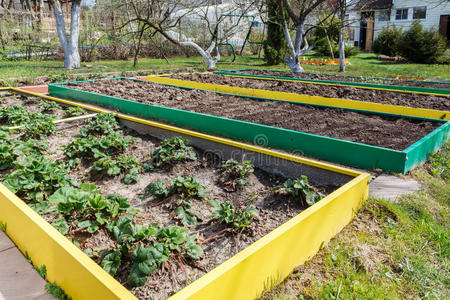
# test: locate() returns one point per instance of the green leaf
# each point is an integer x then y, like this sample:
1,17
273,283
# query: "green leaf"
61,225
111,262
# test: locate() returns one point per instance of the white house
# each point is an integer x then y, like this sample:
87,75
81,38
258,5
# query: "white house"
371,16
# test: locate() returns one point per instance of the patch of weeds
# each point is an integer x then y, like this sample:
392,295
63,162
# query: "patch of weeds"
58,77
3,226
8,83
41,270
74,111
56,291
439,163
234,174
80,78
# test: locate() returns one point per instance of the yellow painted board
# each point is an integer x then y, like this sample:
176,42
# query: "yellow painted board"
273,257
66,265
244,276
341,85
307,99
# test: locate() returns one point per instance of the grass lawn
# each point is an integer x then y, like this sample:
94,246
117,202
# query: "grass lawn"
390,250
363,64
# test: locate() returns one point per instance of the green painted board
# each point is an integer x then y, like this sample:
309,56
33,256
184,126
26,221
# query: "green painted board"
334,150
341,75
356,84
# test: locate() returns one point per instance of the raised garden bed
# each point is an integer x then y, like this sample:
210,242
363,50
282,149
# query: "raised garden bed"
197,227
281,125
344,92
412,86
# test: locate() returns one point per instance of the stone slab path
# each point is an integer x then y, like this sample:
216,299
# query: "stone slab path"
18,279
392,187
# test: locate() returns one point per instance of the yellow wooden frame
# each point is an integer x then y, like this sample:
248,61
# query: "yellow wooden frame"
306,99
243,276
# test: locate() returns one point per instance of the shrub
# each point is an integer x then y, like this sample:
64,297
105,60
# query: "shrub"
350,51
387,41
275,44
421,46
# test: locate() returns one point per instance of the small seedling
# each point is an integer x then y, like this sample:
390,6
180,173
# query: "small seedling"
234,174
3,226
56,291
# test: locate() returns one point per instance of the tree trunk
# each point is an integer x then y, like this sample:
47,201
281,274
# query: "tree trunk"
138,45
293,60
206,54
69,45
342,41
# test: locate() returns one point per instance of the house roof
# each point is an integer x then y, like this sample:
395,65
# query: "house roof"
373,4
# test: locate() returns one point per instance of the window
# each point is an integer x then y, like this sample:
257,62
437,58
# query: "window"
401,14
419,12
384,15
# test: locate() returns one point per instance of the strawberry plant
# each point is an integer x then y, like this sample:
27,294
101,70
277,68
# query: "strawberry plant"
300,188
145,261
48,106
39,126
188,187
90,147
183,211
74,111
87,207
177,239
101,124
172,151
234,174
10,150
236,218
156,189
184,186
36,176
114,166
14,115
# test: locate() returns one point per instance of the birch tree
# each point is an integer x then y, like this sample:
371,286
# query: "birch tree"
68,43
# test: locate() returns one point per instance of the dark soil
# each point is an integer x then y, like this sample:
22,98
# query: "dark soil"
344,92
351,79
377,130
274,210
